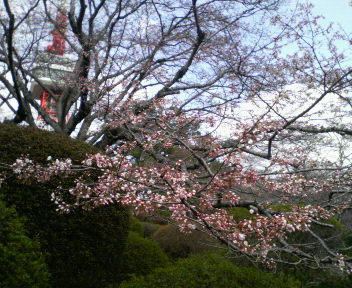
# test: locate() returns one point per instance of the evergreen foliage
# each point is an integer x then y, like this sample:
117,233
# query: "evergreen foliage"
150,228
136,226
333,281
208,271
180,245
84,247
140,257
21,261
240,213
143,228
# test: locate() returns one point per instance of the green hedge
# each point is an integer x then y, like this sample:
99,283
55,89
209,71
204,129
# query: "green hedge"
21,261
145,229
240,213
180,245
140,257
208,271
136,226
150,229
333,281
84,247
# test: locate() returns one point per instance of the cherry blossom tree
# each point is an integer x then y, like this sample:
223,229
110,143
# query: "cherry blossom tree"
123,51
204,106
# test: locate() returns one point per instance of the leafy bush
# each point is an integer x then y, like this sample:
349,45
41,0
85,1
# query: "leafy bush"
348,241
240,213
150,228
140,257
180,245
335,282
208,271
319,278
84,247
144,229
21,262
136,226
159,217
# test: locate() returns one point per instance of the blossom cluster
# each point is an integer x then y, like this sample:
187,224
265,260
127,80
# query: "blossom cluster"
190,202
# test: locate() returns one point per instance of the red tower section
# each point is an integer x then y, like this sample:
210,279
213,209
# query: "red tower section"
58,47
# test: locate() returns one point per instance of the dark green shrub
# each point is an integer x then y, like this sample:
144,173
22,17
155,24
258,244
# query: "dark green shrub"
84,247
332,281
240,213
159,217
141,256
21,261
144,229
136,226
320,278
347,238
208,271
150,228
180,245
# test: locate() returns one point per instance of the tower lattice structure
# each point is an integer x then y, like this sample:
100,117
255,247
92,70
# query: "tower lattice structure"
52,69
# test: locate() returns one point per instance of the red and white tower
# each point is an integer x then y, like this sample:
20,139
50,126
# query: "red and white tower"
52,69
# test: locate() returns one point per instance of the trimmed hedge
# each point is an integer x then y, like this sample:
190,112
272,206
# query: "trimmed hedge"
145,229
136,226
208,271
21,262
240,213
140,257
84,247
180,245
333,281
150,229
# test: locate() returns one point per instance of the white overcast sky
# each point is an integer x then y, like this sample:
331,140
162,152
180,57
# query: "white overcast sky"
337,11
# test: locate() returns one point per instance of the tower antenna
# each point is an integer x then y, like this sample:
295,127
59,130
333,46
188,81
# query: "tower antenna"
58,46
